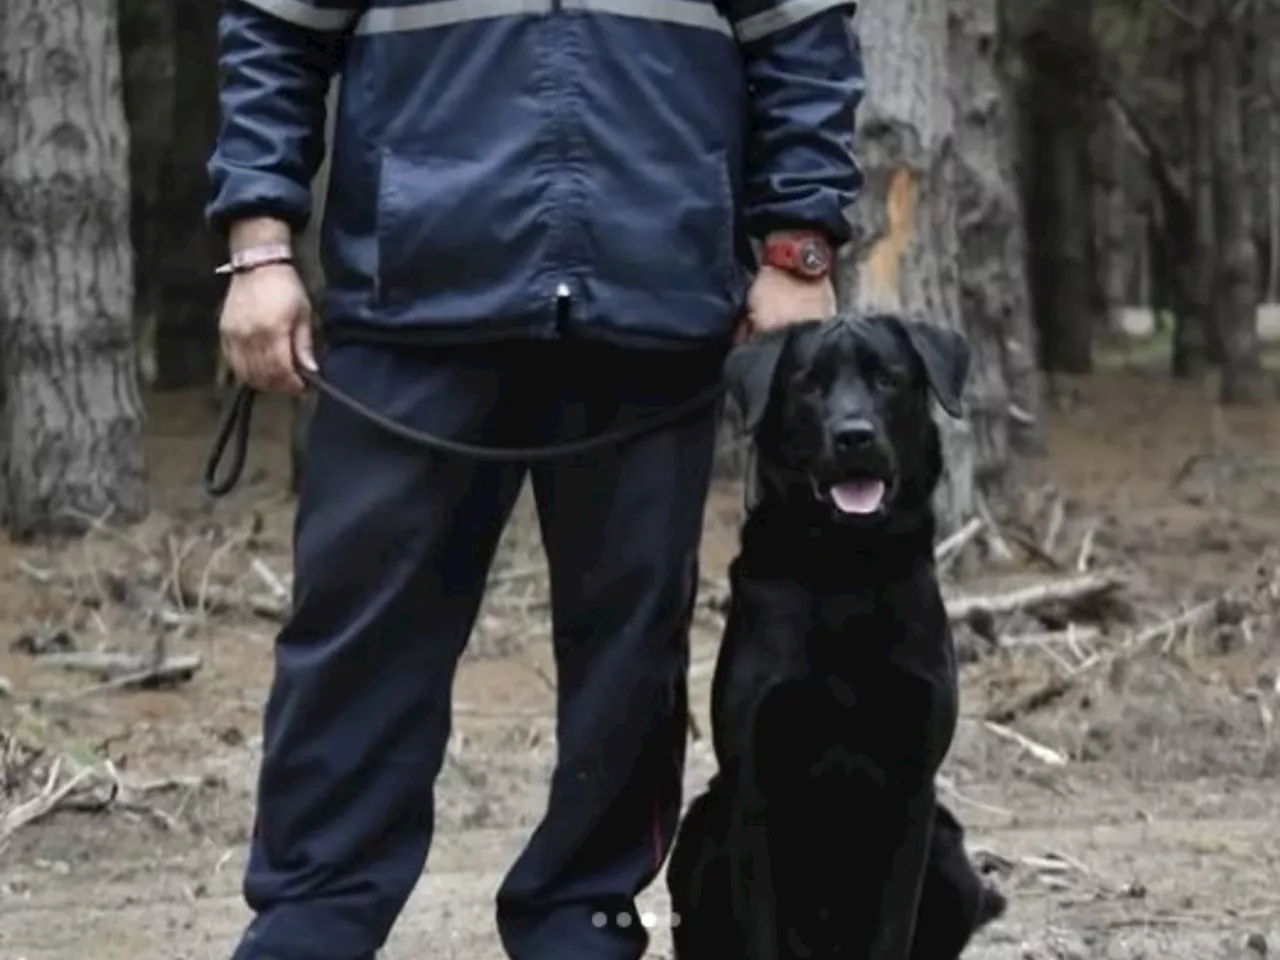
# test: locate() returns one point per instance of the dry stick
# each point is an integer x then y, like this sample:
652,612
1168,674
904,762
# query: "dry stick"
1066,590
1057,513
274,582
113,667
1055,758
43,803
948,786
949,549
1028,543
999,546
203,594
1086,548
1070,636
1055,689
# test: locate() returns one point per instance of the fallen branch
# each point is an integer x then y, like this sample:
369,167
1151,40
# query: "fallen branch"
947,785
1086,549
999,547
1029,544
50,797
1049,637
95,789
1055,758
222,600
1058,687
1057,515
1089,586
945,553
126,669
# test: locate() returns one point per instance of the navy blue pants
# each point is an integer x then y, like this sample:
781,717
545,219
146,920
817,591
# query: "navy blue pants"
392,547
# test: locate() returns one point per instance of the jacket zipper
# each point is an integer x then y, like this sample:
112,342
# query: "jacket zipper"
563,303
564,294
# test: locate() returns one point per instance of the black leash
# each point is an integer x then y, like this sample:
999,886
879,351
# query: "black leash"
234,431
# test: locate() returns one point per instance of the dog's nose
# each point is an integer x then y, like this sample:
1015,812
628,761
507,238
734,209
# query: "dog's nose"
854,435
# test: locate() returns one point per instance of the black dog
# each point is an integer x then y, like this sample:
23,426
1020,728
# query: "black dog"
835,695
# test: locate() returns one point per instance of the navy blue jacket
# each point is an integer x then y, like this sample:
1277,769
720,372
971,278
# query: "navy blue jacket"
534,167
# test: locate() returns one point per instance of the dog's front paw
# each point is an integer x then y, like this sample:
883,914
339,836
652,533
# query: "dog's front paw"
991,906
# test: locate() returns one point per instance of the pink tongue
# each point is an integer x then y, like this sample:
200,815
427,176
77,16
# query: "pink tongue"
858,496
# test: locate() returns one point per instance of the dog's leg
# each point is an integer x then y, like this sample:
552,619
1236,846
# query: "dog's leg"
755,903
956,901
900,894
702,924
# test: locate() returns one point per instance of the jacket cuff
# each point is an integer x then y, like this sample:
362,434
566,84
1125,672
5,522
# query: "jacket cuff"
826,218
240,194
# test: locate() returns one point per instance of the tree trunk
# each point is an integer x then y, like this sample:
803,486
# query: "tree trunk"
73,428
1268,61
904,256
995,303
1057,99
1111,221
1235,289
186,331
1195,342
146,48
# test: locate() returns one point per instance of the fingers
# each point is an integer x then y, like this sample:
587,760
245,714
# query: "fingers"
304,346
265,318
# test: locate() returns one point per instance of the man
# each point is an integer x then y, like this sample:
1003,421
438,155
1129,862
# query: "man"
540,226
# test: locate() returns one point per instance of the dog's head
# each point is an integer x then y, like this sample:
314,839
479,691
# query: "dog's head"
845,404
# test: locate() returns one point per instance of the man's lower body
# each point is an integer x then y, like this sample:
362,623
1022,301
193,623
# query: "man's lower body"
392,548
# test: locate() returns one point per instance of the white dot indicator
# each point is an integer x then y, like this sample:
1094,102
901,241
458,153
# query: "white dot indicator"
624,920
599,918
648,920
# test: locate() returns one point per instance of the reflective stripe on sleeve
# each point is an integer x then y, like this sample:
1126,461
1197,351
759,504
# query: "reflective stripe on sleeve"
302,14
786,14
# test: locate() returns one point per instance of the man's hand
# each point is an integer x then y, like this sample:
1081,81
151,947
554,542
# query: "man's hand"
778,298
266,318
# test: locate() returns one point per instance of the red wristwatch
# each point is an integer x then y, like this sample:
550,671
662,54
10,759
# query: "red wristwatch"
805,253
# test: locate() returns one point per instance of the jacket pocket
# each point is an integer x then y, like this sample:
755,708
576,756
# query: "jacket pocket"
464,227
671,226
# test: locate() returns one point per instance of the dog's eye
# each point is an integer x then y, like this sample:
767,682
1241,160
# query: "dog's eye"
888,379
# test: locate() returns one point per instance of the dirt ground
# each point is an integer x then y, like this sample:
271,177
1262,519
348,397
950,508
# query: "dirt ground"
1135,819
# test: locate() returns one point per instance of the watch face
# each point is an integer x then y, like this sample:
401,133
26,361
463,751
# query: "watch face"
812,258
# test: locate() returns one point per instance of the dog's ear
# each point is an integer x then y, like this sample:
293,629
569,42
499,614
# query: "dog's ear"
944,353
749,373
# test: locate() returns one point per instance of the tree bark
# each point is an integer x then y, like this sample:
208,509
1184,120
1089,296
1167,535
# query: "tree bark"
1195,342
1235,289
1057,101
186,332
1111,221
1268,61
995,302
904,258
146,48
73,427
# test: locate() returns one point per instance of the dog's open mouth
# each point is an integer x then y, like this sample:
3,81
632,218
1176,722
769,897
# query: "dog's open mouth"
860,496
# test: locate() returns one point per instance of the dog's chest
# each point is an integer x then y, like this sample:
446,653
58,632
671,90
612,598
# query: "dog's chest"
851,630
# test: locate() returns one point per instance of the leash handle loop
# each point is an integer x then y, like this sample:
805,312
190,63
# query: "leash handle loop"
234,431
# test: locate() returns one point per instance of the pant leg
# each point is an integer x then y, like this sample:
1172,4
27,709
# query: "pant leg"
392,546
621,527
